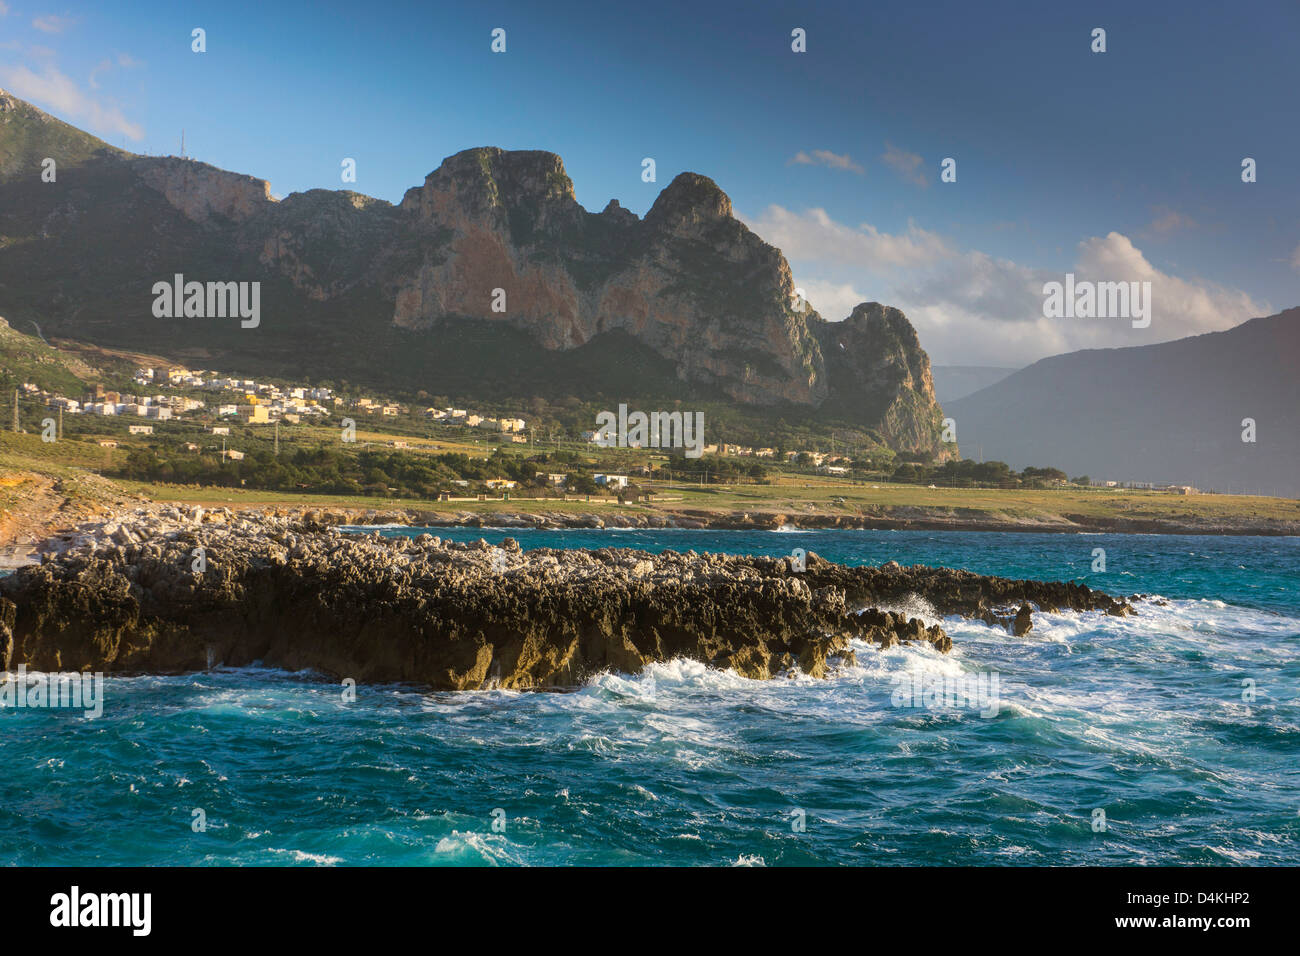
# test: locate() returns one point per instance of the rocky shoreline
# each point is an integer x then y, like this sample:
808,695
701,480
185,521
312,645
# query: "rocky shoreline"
900,519
29,533
172,590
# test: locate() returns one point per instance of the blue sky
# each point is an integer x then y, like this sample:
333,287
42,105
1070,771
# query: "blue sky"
1116,165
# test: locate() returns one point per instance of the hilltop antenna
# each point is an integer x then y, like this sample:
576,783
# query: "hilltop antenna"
182,143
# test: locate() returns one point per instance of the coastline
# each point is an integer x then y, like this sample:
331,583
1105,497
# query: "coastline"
49,533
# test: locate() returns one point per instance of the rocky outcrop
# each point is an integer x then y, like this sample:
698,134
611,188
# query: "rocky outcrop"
690,281
875,363
201,191
183,592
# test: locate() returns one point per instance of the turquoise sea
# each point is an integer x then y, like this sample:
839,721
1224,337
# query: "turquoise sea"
1181,725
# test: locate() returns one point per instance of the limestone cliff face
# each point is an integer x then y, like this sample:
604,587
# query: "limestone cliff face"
201,191
878,368
689,281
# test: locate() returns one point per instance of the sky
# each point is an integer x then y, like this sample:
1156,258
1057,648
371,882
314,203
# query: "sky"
1123,165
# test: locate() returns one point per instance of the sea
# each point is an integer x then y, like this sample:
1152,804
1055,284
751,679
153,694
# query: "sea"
1168,737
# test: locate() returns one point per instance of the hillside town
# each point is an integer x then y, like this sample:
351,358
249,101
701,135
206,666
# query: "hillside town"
250,402
164,394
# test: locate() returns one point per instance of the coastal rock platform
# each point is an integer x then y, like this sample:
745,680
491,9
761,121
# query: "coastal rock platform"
188,590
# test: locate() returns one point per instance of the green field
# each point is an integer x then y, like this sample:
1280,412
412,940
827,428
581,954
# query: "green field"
790,496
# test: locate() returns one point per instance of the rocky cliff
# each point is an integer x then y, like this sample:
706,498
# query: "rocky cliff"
376,293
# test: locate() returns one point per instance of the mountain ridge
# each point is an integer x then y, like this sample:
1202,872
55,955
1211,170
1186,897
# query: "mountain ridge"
343,274
1169,412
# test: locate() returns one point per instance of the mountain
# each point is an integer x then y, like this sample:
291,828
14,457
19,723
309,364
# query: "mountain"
28,136
26,358
684,304
952,382
1168,413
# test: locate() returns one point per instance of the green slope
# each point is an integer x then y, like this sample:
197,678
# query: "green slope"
28,136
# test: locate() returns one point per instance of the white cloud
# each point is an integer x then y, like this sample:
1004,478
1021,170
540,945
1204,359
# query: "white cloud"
49,23
832,300
824,157
60,94
970,308
1182,306
907,165
815,235
4,9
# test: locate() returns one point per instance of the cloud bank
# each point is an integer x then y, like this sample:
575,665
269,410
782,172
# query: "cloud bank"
971,308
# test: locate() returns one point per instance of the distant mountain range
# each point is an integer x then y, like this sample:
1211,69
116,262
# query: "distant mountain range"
1168,413
952,382
489,280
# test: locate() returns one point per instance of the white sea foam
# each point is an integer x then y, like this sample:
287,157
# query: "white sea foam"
913,605
301,856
